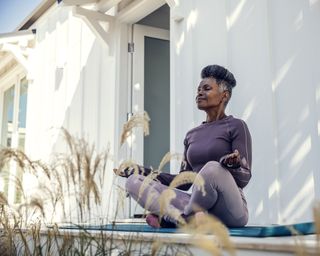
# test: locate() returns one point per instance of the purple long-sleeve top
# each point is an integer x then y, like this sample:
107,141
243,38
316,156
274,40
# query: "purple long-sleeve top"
212,142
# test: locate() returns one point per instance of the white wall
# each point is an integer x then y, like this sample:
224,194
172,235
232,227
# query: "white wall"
73,87
272,47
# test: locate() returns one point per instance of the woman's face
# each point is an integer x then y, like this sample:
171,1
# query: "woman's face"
209,95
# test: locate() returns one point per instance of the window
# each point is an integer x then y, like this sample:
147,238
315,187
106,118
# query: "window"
13,126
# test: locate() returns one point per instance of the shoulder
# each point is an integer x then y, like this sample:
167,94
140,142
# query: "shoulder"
237,123
192,132
238,127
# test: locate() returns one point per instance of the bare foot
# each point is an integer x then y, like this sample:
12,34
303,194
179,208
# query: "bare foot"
153,220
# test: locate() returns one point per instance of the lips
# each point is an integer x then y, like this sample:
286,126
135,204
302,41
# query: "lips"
199,99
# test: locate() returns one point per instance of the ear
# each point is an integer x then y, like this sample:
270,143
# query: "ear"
226,96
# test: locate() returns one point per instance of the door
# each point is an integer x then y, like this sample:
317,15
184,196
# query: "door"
151,93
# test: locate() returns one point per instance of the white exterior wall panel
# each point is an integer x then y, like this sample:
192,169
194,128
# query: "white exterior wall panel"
272,50
296,66
272,47
73,87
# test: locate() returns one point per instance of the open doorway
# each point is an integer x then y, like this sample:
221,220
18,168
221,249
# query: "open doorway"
151,85
150,89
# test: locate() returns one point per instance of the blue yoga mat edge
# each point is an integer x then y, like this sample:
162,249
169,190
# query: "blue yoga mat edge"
305,228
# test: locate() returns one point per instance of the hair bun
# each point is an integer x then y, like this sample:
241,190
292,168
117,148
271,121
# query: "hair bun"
219,73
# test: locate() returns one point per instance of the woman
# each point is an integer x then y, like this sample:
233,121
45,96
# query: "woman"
219,150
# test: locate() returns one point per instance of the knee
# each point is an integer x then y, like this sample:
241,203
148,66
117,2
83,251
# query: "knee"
213,168
214,172
133,183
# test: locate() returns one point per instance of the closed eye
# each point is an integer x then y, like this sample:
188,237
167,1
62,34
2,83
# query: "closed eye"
205,87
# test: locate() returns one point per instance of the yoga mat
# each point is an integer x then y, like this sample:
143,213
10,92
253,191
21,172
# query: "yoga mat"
305,228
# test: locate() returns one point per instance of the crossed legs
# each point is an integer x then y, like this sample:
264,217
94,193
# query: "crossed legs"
222,197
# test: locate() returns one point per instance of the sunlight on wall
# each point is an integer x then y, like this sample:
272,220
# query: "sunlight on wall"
274,188
180,43
301,202
312,2
249,109
233,17
282,73
173,3
136,108
318,93
259,209
292,143
301,152
192,19
131,140
299,21
137,87
304,114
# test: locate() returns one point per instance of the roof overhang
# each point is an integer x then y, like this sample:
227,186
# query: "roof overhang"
15,49
35,14
101,6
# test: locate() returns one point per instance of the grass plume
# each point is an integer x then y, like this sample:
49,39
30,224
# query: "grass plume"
137,120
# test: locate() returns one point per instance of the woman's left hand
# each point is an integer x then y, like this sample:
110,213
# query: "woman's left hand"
232,160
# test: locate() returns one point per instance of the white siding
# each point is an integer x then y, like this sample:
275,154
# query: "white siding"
73,87
272,47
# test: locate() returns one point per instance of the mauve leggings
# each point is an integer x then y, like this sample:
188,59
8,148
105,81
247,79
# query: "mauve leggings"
223,198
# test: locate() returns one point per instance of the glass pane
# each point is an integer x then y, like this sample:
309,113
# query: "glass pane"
7,119
23,99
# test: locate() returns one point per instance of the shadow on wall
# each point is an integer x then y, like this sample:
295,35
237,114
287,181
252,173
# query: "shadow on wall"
285,194
88,104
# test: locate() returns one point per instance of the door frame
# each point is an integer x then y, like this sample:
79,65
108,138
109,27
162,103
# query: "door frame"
137,85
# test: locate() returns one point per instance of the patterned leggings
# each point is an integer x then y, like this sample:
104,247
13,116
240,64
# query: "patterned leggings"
222,197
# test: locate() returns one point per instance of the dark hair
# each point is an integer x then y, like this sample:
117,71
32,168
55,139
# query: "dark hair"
221,74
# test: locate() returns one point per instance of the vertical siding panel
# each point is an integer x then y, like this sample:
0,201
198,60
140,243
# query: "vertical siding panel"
91,52
74,84
294,32
252,100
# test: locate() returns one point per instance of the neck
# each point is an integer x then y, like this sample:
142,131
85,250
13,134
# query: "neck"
215,115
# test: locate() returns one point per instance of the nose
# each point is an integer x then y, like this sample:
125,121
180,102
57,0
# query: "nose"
199,92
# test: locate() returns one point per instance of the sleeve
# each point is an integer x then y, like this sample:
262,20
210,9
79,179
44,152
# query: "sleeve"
163,177
185,165
241,140
167,178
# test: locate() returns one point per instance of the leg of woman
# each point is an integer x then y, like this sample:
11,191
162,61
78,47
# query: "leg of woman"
148,194
223,198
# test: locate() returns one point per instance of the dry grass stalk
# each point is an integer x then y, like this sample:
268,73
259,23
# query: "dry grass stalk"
166,208
73,175
153,196
3,199
146,183
137,120
316,216
189,177
211,225
156,245
167,158
130,165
